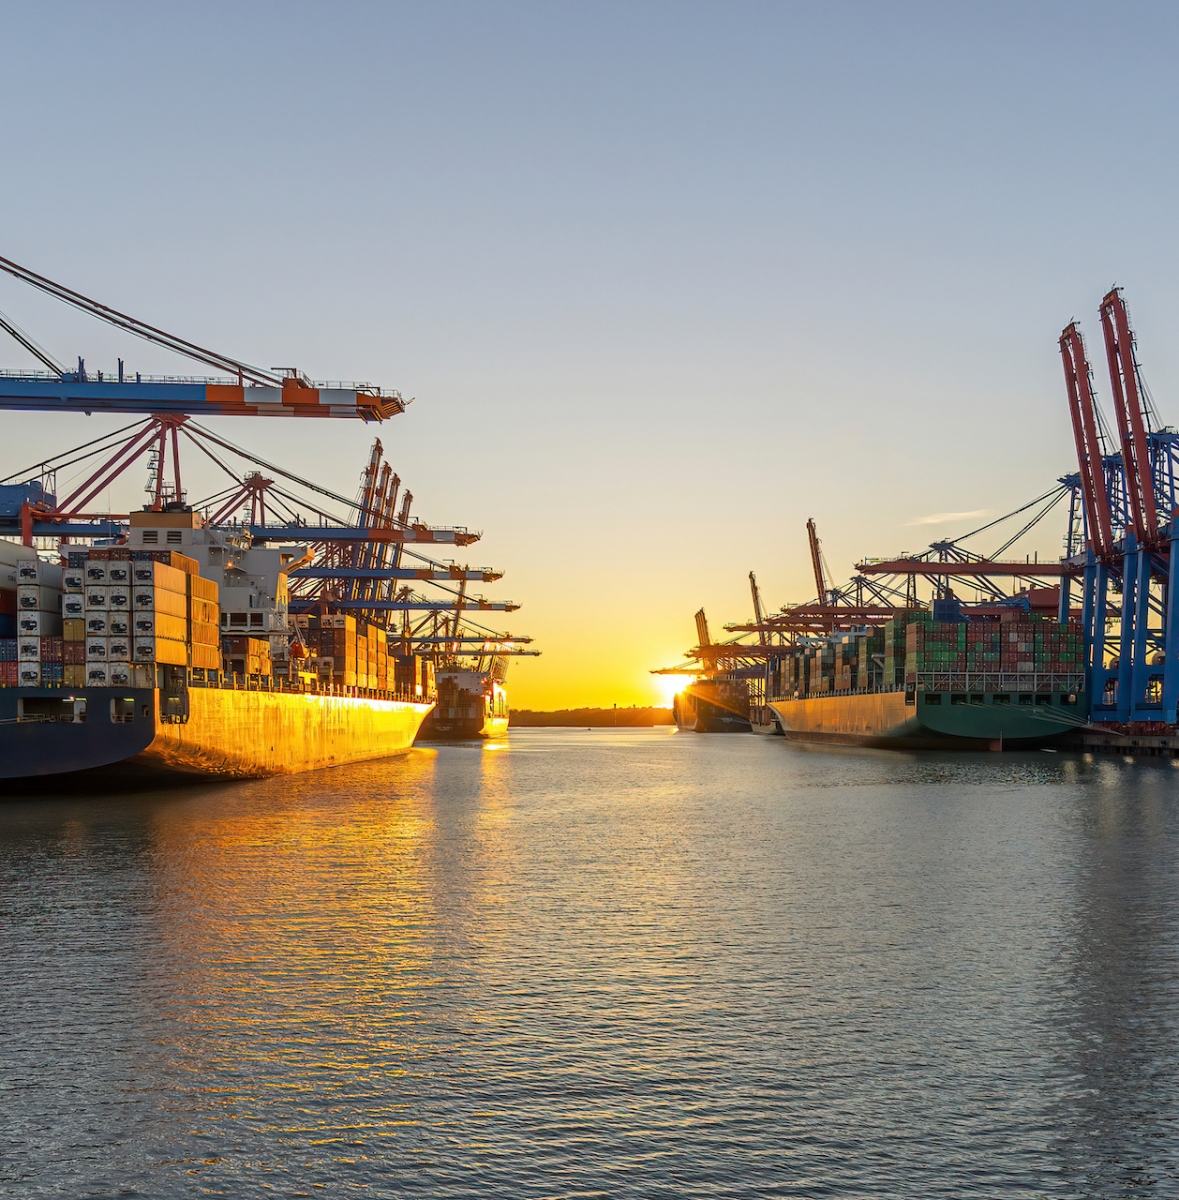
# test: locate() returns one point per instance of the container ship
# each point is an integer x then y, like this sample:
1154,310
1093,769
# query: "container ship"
251,634
719,704
868,665
470,703
1012,681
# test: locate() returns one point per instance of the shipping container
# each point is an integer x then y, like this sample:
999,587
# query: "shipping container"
152,624
33,570
169,651
160,575
37,596
159,600
43,624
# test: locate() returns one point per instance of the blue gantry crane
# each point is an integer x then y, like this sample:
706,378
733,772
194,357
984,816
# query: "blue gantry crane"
1127,483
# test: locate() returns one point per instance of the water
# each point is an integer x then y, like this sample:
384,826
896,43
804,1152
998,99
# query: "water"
599,964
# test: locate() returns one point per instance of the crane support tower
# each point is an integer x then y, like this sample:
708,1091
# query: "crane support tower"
1128,564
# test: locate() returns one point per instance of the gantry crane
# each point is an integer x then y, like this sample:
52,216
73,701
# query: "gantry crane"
1128,560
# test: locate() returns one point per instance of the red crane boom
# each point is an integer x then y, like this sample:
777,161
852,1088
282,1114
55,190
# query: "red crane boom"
817,560
1123,379
1083,409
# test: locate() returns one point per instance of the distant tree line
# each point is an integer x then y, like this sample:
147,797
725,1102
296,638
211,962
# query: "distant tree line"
593,717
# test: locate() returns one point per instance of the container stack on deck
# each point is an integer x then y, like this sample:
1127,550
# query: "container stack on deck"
126,612
1020,650
347,652
38,623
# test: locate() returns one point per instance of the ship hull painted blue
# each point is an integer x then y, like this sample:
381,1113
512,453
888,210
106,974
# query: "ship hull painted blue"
31,748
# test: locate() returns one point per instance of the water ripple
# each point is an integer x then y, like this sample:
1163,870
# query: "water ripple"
623,963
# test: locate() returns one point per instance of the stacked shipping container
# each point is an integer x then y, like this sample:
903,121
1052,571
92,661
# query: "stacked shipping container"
348,653
126,612
906,651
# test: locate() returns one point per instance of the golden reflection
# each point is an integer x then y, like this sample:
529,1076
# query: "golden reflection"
290,902
318,914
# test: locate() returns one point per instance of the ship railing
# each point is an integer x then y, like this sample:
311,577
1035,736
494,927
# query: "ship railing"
993,681
255,683
958,681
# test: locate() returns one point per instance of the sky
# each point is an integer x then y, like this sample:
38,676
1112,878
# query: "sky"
664,280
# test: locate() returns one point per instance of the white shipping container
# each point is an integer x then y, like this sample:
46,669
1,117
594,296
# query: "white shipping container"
28,648
43,624
38,596
97,624
118,571
29,674
96,673
118,596
118,624
73,579
118,649
13,553
120,674
96,649
33,570
73,605
96,595
96,571
143,676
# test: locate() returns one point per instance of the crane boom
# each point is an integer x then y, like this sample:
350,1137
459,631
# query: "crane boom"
757,612
250,391
1090,457
140,328
817,560
702,637
1123,379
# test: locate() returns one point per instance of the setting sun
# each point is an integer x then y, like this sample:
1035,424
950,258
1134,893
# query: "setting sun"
669,685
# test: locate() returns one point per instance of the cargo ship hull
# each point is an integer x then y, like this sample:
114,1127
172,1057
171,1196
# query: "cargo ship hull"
712,706
469,705
960,722
211,733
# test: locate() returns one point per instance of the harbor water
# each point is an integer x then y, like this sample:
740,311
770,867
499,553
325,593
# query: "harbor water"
608,963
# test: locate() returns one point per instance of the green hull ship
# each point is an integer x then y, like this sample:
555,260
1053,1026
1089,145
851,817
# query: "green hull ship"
978,720
1015,681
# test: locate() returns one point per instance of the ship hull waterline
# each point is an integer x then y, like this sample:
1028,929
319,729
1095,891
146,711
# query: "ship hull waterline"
884,720
227,734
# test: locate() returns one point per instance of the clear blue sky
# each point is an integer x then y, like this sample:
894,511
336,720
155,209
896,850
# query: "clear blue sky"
665,279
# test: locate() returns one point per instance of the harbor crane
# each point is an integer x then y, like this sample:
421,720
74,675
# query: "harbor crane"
246,390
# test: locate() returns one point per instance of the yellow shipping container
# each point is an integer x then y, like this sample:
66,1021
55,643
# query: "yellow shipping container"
206,635
204,655
200,588
166,626
159,575
158,600
73,629
161,650
205,611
